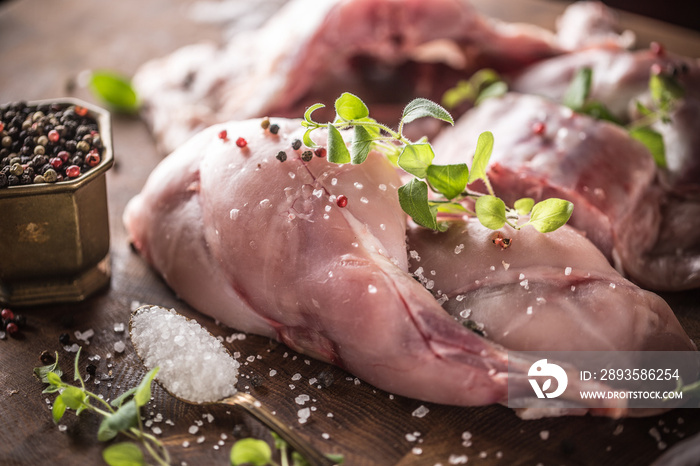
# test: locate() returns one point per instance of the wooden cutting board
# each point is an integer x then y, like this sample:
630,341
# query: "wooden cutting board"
44,45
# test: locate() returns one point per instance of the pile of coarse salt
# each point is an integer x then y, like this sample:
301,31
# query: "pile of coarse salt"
194,365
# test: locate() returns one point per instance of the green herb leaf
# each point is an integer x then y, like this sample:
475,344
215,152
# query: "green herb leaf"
310,110
298,460
337,150
361,144
416,158
337,458
76,369
413,197
654,141
124,419
118,401
73,397
495,89
579,89
484,148
251,451
143,392
454,208
491,212
599,111
306,139
550,214
524,206
350,107
58,409
448,180
42,371
115,90
665,90
123,454
420,108
53,378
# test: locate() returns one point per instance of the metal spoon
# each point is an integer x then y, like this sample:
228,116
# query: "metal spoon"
240,399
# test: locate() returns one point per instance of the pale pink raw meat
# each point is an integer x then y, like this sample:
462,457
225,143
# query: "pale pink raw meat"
544,292
262,246
385,51
543,150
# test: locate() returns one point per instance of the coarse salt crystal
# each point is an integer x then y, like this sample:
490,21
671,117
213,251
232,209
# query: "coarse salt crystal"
544,435
325,436
567,271
119,346
193,430
417,450
421,411
458,459
296,377
201,370
371,289
301,399
273,372
233,214
505,264
529,310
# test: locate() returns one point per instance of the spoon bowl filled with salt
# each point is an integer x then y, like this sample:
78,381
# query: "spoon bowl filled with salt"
196,368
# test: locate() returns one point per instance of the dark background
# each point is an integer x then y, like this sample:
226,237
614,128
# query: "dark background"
681,12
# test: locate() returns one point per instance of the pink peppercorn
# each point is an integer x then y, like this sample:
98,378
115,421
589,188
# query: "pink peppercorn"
240,142
342,201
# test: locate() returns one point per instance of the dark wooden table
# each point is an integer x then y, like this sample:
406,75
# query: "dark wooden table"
44,45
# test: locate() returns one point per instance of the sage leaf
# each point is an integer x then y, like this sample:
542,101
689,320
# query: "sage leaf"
58,409
654,141
550,214
73,397
115,90
251,451
143,392
123,454
416,158
123,419
579,89
413,197
491,212
361,144
337,150
420,108
482,155
448,180
350,107
524,206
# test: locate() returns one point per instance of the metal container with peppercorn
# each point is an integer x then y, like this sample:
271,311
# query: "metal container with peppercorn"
54,232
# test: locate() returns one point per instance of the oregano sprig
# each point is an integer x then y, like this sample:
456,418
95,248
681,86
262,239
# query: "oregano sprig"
665,91
251,451
121,416
448,183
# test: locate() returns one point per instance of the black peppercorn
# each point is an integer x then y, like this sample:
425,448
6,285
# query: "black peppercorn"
91,369
281,156
12,180
307,155
3,180
296,144
64,338
20,319
274,128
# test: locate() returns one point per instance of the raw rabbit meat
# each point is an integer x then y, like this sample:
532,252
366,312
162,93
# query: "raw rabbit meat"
543,150
263,246
386,51
543,292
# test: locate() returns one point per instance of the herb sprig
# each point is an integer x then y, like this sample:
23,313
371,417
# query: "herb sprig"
449,183
121,416
258,453
665,91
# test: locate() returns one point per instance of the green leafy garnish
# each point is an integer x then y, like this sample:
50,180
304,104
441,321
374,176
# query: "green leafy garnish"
114,90
251,451
482,85
124,420
665,91
123,454
449,183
